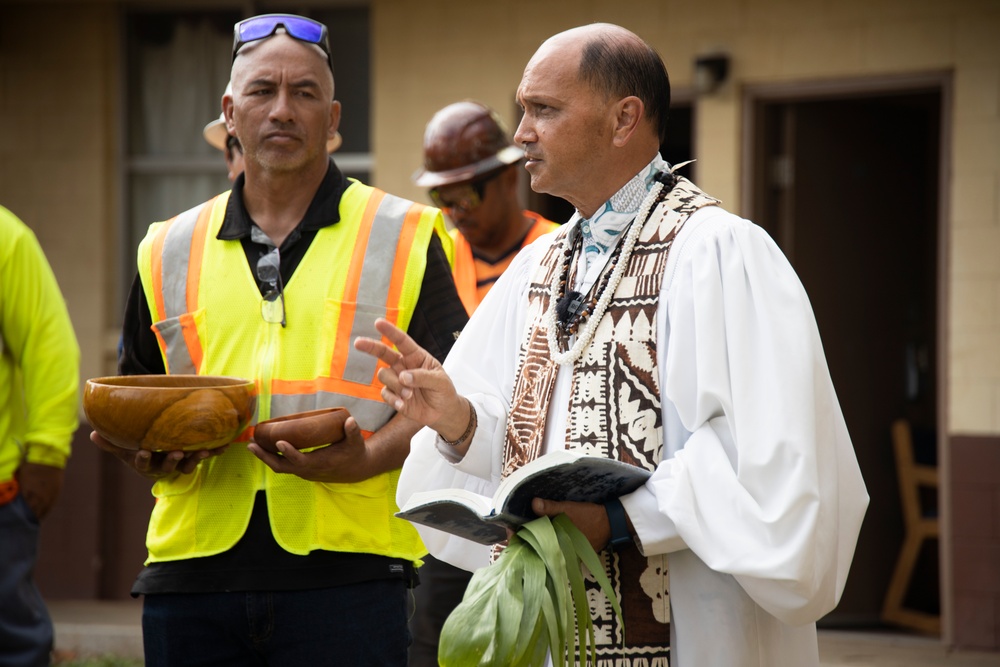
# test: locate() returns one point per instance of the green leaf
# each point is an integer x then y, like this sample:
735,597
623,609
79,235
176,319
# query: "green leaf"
509,607
531,613
537,647
542,536
530,603
467,632
584,623
555,631
591,560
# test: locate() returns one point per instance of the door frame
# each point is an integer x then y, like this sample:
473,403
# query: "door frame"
754,96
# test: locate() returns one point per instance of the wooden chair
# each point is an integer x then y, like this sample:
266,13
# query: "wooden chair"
920,526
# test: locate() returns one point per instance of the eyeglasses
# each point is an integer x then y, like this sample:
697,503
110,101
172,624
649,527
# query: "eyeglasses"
299,27
272,305
463,197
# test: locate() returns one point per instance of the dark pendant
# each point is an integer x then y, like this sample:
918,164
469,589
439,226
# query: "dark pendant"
568,306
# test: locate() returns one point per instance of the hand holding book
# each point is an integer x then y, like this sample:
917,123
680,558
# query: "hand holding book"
561,475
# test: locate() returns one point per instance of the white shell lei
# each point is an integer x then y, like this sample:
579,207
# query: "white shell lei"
584,337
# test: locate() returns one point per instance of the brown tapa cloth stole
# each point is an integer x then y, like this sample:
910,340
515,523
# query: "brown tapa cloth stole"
614,411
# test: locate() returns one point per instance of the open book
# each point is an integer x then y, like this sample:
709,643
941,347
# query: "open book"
559,475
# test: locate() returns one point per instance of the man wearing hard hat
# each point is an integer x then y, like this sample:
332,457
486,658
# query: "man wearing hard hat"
471,169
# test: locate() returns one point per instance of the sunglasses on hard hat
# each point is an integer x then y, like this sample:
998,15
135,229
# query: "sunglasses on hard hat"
464,197
265,25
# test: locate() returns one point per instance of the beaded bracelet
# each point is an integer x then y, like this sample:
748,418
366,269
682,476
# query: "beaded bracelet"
473,422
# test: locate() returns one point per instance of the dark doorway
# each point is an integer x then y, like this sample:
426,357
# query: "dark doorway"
679,146
849,188
676,149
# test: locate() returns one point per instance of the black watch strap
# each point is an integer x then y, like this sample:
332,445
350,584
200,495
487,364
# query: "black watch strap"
620,536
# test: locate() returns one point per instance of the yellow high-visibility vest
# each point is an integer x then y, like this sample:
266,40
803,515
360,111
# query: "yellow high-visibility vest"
468,272
206,309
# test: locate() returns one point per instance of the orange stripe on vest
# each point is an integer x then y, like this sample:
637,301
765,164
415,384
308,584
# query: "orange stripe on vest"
328,385
342,347
402,258
157,270
8,491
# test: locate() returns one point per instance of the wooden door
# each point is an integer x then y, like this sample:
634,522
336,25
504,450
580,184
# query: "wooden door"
848,187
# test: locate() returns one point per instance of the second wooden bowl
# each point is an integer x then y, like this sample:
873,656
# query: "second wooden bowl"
302,429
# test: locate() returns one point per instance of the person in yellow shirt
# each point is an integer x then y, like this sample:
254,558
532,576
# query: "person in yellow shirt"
471,170
39,379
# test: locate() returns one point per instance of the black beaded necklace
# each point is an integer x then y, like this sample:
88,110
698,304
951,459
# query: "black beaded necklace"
574,308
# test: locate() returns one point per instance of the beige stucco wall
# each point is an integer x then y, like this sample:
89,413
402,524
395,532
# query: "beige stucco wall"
974,288
427,54
56,144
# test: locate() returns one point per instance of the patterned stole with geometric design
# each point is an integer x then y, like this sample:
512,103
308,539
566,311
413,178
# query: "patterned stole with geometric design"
614,411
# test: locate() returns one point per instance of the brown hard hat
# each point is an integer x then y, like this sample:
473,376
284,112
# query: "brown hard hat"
462,141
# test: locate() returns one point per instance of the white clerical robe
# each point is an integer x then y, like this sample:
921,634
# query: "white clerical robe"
758,499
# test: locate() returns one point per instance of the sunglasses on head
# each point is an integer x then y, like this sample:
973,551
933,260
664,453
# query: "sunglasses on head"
265,25
272,305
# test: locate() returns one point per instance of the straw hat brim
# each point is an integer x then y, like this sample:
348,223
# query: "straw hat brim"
215,134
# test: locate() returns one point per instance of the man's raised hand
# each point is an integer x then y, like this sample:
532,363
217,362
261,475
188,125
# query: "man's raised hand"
416,384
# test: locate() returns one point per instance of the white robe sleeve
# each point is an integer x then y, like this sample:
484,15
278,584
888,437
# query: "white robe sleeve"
759,477
482,364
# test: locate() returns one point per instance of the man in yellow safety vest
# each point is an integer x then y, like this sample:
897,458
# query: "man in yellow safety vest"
290,559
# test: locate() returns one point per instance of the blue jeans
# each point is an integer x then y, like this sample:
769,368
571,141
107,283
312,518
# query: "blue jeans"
25,627
354,625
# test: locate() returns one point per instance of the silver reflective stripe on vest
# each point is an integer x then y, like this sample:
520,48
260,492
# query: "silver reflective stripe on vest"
176,258
376,279
179,361
174,273
370,415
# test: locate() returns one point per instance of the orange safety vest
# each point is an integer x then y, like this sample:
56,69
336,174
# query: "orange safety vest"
469,271
206,310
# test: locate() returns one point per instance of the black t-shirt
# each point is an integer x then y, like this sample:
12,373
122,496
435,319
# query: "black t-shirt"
257,562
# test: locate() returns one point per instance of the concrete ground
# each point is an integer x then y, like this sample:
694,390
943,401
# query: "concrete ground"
112,627
86,628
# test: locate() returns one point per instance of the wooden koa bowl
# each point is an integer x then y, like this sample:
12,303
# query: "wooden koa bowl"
169,412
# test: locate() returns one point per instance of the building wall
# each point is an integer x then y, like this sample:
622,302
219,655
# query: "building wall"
57,137
975,541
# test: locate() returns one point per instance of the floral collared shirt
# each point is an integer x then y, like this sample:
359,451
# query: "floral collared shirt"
602,231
